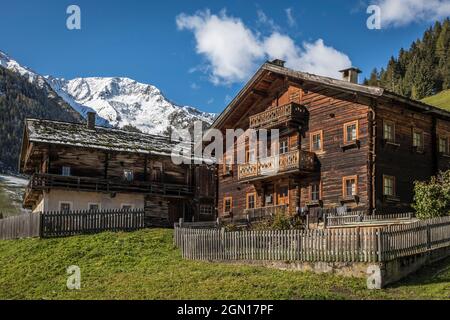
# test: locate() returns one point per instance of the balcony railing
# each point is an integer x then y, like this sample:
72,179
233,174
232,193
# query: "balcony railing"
291,113
278,164
262,212
48,181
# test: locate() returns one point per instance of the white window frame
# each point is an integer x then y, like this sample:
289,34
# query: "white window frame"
70,203
132,175
95,203
65,174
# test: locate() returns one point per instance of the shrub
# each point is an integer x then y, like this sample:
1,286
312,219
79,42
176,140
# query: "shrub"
432,198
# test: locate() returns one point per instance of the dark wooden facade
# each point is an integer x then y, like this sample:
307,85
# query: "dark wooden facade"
365,172
98,175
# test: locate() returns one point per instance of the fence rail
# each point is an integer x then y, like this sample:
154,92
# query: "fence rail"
329,245
359,217
61,224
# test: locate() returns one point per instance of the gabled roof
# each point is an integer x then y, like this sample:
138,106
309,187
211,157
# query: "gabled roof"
332,83
79,135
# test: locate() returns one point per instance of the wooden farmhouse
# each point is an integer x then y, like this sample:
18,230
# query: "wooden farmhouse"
86,167
340,143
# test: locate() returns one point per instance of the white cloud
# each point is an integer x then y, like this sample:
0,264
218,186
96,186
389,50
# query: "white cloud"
263,19
402,12
233,51
290,18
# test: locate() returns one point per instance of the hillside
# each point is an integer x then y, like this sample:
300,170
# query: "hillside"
145,265
20,99
11,195
440,100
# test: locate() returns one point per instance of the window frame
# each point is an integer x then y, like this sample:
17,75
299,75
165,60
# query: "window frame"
125,176
445,138
247,156
224,204
208,212
394,185
226,171
348,124
392,123
70,203
248,195
64,173
311,141
94,203
319,185
281,146
422,137
344,186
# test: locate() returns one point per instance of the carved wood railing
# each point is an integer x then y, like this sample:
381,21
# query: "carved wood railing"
48,181
274,116
263,212
269,166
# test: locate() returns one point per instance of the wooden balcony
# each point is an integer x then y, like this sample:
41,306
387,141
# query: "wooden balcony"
39,182
298,160
291,114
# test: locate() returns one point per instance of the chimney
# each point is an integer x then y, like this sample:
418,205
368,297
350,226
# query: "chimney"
278,62
91,120
350,74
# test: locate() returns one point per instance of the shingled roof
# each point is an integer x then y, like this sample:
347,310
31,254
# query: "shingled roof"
79,135
341,85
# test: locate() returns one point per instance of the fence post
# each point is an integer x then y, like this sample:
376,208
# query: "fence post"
180,222
379,246
428,236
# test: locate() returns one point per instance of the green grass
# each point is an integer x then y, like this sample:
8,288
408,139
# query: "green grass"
145,265
440,100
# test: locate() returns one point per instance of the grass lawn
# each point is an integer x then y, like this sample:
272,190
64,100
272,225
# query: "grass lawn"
145,265
441,100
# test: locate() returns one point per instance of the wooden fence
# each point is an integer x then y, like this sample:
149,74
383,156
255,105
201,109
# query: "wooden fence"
21,226
362,217
61,224
329,245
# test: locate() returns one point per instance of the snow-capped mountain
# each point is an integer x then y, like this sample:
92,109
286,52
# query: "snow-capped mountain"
123,101
117,101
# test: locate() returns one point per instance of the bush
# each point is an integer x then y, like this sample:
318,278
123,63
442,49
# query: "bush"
279,222
432,198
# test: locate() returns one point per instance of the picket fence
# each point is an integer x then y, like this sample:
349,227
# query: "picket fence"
328,245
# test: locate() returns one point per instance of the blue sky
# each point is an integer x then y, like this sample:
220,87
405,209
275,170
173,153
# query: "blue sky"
158,42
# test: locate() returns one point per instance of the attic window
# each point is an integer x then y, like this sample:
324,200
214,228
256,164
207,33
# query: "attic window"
65,171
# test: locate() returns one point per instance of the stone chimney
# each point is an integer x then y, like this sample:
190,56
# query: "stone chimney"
350,74
278,62
91,120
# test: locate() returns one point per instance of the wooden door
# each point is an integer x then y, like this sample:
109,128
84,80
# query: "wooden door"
282,195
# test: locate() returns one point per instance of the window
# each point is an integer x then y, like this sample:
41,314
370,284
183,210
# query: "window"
250,156
388,185
389,131
227,166
93,206
315,192
65,206
284,148
316,141
227,204
206,210
128,175
66,171
418,139
126,206
283,195
157,169
349,185
443,145
251,200
350,132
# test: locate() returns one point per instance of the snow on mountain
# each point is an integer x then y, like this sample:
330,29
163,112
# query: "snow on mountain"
123,101
117,101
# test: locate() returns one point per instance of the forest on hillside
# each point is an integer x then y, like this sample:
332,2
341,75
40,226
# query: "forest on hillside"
422,70
20,99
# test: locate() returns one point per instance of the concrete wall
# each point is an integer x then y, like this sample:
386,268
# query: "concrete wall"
80,200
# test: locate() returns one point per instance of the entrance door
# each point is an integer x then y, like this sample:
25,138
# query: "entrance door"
283,195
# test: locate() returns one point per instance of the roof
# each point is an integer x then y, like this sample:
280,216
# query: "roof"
79,135
341,85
